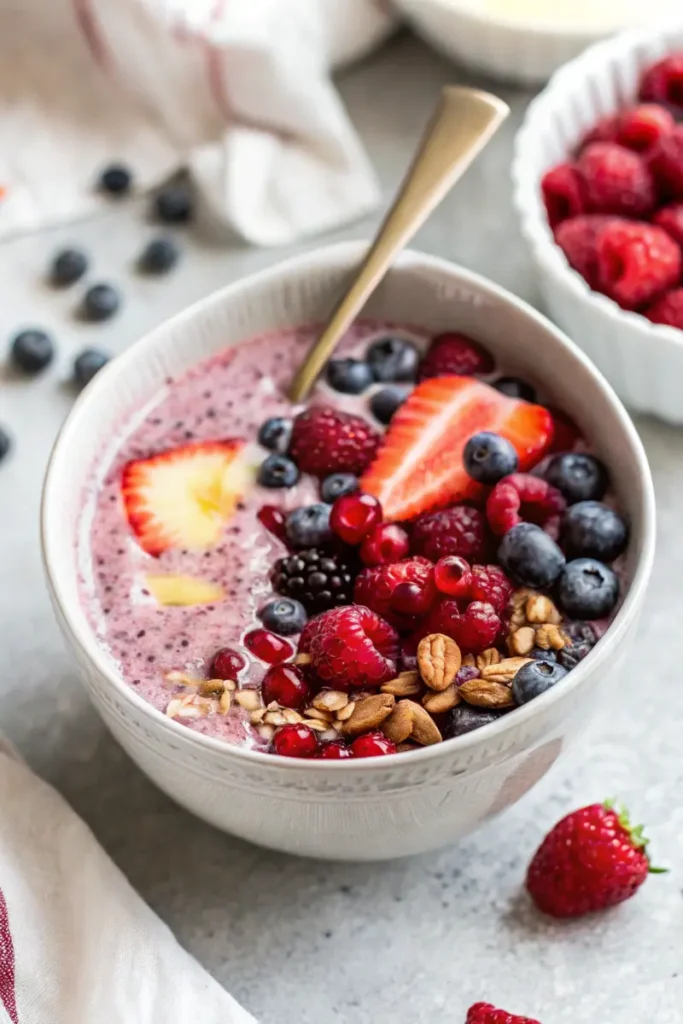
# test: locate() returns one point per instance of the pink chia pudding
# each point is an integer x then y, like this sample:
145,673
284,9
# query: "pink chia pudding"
338,580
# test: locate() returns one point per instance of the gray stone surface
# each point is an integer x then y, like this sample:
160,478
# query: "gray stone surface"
303,942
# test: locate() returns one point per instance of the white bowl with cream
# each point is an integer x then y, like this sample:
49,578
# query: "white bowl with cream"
525,41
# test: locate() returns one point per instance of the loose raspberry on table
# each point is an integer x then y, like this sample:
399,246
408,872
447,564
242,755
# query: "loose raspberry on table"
577,238
668,310
475,629
642,126
491,586
563,193
637,263
353,647
454,353
665,161
663,82
520,498
670,218
375,586
485,1013
617,181
326,441
460,530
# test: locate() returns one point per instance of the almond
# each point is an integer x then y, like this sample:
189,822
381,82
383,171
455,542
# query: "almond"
439,703
346,711
369,714
225,701
484,694
425,730
211,687
439,660
407,684
399,725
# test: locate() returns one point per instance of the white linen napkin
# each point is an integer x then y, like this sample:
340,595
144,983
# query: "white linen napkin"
239,91
77,944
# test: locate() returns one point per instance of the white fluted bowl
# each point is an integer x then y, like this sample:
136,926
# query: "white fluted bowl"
642,361
368,809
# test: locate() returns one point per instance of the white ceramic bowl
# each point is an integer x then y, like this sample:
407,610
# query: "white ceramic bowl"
643,361
389,806
512,50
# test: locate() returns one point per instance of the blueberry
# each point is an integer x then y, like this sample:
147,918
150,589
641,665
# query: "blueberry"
174,204
100,302
337,485
350,376
535,678
578,476
309,526
530,556
158,256
384,403
587,589
278,471
67,266
513,387
283,615
32,350
489,457
87,363
393,359
5,443
582,640
116,179
275,434
538,654
593,530
465,718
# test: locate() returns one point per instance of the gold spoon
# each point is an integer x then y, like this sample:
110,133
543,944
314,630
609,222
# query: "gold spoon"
462,124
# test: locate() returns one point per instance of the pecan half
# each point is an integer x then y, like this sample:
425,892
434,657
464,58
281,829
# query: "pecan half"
484,694
550,636
540,609
399,725
369,714
504,672
438,659
407,684
488,657
522,640
439,703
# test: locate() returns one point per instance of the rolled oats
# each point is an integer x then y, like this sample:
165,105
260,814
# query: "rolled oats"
346,712
250,700
330,700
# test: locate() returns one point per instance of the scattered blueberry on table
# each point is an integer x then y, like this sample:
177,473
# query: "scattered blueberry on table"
174,204
87,363
159,256
100,302
116,180
5,443
68,266
32,350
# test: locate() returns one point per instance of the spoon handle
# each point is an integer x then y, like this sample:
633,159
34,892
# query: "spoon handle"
462,124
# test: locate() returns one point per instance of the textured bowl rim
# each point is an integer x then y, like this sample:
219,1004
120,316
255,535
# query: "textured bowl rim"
84,638
526,188
542,30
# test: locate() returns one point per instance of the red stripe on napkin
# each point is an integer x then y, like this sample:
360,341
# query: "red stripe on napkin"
7,989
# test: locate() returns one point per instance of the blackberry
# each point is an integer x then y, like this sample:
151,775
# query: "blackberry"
318,579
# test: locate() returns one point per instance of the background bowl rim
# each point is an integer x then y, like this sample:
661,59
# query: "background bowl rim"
348,252
533,219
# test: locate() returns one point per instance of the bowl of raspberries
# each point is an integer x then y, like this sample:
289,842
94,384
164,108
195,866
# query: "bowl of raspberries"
598,176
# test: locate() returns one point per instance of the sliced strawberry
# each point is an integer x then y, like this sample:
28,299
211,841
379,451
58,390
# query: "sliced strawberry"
419,465
181,498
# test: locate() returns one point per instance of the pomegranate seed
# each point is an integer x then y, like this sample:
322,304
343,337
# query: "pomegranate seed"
273,518
334,751
354,515
372,744
385,543
453,576
227,664
412,599
286,685
295,741
268,647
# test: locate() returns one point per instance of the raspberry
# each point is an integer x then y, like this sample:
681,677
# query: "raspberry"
670,218
376,585
641,127
663,82
666,164
454,353
460,530
577,239
637,263
307,633
491,586
563,193
519,498
485,1013
475,629
605,130
667,310
326,441
353,647
617,181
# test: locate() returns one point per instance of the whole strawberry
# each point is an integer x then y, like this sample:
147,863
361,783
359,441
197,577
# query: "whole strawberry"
484,1013
590,860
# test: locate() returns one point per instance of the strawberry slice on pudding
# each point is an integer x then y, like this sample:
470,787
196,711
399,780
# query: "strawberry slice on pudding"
183,497
419,465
